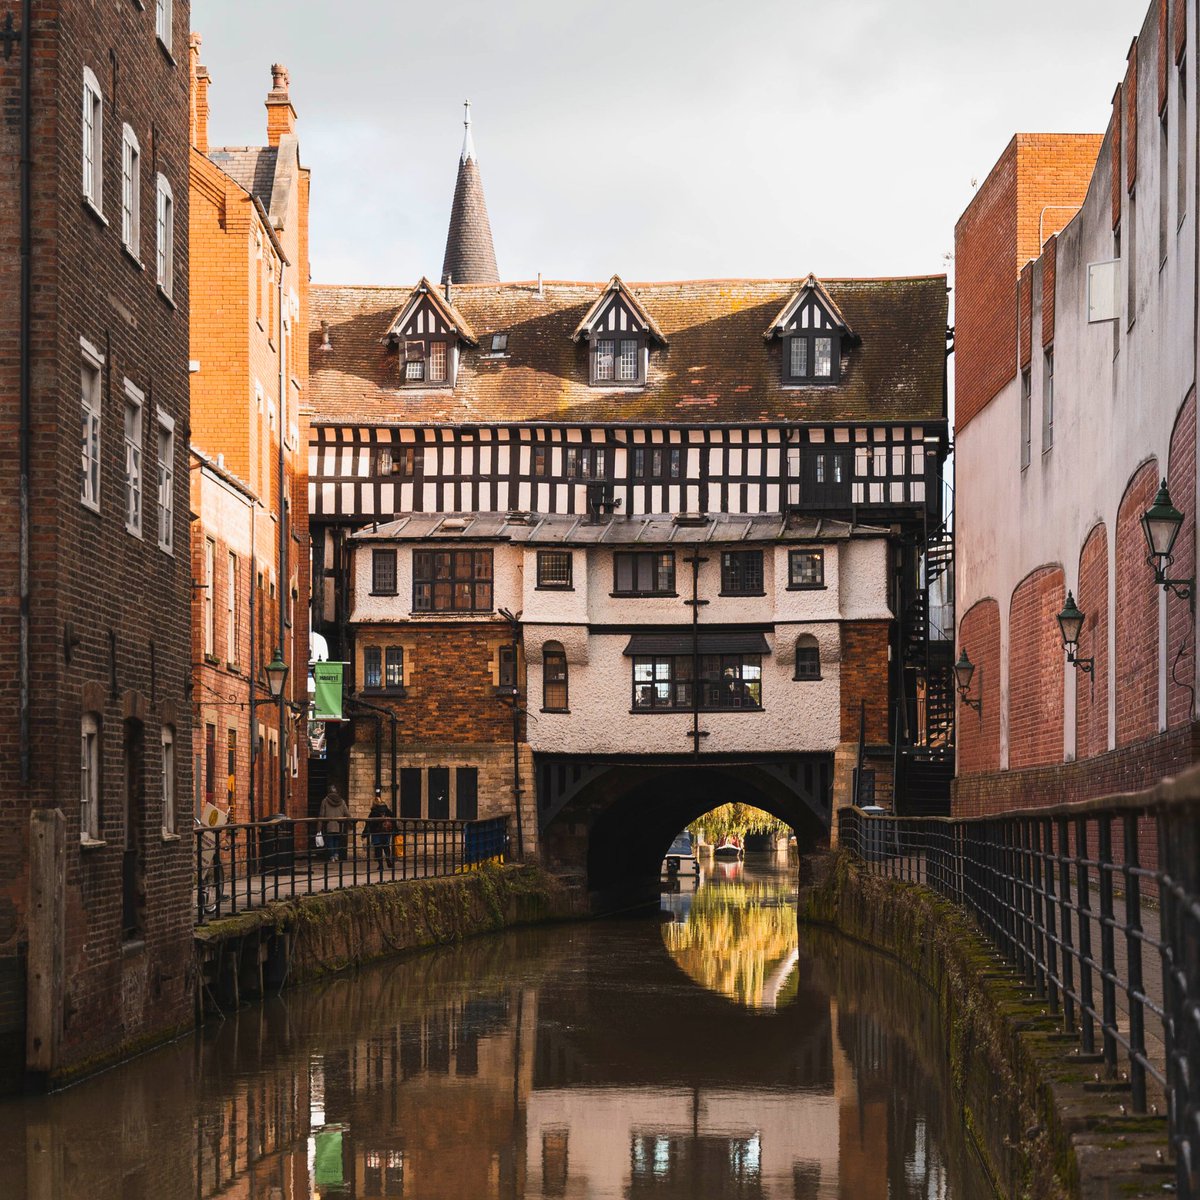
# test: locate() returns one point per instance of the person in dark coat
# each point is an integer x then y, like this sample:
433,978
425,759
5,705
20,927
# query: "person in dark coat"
381,828
335,820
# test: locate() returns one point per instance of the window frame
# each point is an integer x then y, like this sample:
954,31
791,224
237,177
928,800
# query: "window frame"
540,465
393,666
208,599
420,350
1026,417
92,134
587,463
543,559
166,482
90,760
666,560
431,580
92,404
1048,398
675,679
810,337
380,556
135,459
729,586
169,814
372,657
802,673
232,609
131,193
555,675
164,14
396,461
794,554
164,225
617,339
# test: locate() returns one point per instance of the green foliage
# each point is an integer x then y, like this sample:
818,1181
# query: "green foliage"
736,820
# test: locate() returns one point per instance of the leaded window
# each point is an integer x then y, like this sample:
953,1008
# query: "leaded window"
616,360
393,668
372,668
554,569
742,573
644,573
725,681
806,568
383,572
586,462
452,581
554,678
808,657
396,460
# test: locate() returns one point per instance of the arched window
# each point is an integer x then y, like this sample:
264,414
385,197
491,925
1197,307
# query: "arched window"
89,778
554,678
808,657
168,779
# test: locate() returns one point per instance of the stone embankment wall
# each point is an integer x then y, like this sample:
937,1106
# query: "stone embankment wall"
1046,1126
253,954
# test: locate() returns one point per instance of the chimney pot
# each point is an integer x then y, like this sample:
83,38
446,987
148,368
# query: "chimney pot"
281,116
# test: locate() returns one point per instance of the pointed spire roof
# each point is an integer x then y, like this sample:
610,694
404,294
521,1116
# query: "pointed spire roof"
470,255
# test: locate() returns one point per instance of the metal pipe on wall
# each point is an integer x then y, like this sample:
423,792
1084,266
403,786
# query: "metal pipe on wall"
283,574
25,434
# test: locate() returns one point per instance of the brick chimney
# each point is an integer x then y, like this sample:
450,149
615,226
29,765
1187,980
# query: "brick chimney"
200,81
281,116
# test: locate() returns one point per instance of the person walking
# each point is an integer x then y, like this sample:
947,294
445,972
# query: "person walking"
381,828
335,817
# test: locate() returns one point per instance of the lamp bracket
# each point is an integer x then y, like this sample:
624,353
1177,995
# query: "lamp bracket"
1184,589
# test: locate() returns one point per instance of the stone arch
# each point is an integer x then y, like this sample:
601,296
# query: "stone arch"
1091,693
1035,669
978,734
1135,671
1181,646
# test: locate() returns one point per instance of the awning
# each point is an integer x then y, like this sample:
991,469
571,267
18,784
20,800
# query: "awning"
709,642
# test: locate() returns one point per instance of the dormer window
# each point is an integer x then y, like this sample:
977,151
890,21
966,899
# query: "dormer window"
813,357
499,343
425,361
426,335
812,331
618,330
616,360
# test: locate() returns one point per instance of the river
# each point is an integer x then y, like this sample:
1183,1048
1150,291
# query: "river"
714,1051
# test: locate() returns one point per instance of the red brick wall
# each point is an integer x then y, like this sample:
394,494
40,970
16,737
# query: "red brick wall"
1025,317
1163,53
864,677
1131,139
1135,677
978,734
1049,261
1180,28
1115,130
1035,670
1181,478
1091,693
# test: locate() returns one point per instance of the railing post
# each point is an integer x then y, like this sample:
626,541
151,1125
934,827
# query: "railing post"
1108,990
1135,989
1087,997
1064,909
1046,886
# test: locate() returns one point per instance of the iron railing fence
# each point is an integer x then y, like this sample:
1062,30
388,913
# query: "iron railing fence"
1064,894
240,867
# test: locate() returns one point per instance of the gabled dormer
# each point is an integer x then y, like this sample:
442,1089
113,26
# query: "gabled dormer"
814,335
618,331
427,335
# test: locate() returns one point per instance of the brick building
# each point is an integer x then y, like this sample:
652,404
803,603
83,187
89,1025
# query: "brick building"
1076,357
95,758
249,261
631,433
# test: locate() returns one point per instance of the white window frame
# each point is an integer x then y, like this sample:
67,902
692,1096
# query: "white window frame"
210,557
168,780
164,208
131,192
135,458
231,609
163,20
91,394
89,778
166,482
92,127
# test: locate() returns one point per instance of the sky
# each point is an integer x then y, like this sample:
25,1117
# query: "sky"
659,139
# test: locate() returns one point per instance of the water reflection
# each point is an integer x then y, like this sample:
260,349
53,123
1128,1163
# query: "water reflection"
570,1062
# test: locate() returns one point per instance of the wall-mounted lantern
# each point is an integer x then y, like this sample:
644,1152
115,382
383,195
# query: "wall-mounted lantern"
1161,523
277,673
964,670
1070,625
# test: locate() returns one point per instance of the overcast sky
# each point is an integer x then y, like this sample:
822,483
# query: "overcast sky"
659,139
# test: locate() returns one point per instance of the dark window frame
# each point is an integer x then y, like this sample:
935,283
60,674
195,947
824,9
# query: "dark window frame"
507,668
372,661
810,337
808,659
555,674
426,576
587,463
615,338
382,555
793,556
674,671
393,665
752,586
396,462
420,350
541,462
666,560
544,557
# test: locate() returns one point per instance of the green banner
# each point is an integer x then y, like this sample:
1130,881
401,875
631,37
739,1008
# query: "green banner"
327,700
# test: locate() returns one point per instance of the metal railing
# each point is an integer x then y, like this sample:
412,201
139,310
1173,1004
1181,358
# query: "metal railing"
241,867
1060,893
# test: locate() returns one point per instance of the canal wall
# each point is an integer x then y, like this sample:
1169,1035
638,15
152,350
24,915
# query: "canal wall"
1045,1125
253,954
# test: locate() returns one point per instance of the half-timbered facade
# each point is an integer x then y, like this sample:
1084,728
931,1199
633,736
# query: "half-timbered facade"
628,408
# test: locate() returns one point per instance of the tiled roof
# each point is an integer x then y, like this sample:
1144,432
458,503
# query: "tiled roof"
470,256
253,167
716,368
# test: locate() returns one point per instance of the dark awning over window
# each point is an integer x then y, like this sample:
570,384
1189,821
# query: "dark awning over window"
710,642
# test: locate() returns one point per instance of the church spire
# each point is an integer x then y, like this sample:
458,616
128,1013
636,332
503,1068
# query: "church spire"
470,256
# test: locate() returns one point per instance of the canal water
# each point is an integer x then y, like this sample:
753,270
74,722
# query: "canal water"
712,1052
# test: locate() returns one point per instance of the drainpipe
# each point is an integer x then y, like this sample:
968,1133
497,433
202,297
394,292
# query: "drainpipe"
284,573
26,385
253,681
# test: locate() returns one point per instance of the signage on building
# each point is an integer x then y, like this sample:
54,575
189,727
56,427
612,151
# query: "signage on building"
327,695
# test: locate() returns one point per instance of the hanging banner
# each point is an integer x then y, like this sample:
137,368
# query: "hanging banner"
327,695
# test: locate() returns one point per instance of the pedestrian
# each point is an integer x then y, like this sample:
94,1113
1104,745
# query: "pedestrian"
334,816
381,828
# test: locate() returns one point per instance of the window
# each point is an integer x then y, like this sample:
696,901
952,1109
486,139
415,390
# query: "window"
425,361
166,483
812,357
499,343
616,360
133,459
372,668
383,572
168,779
163,20
131,192
808,657
639,463
666,462
506,656
452,581
806,569
393,668
210,762
554,569
1181,136
1164,192
1048,400
1026,417
554,678
90,397
232,630
742,573
89,779
644,573
466,808
210,551
586,462
1130,224
231,766
726,681
165,225
93,141
541,461
396,460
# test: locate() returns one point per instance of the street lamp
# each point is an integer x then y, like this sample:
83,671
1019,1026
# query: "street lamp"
964,671
277,673
1161,523
1070,625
